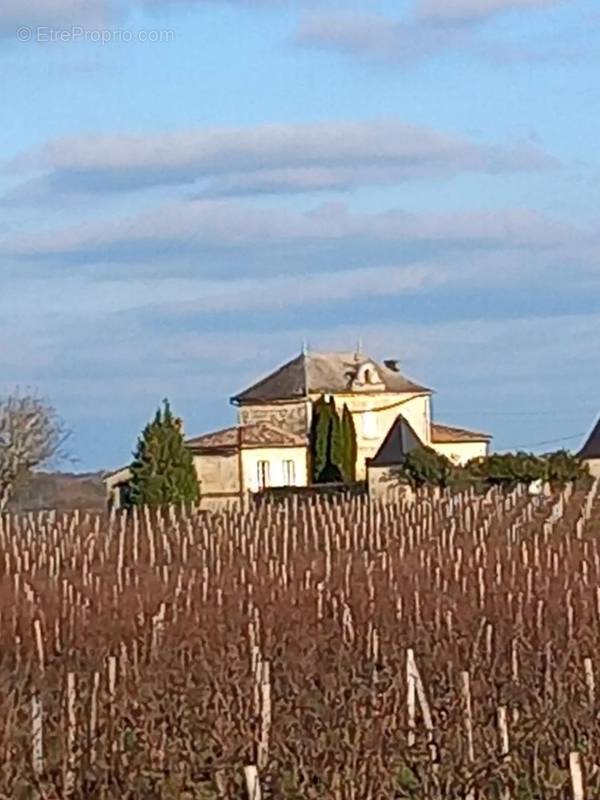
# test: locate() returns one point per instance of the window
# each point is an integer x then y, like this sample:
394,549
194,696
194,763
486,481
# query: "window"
369,425
263,477
289,473
367,376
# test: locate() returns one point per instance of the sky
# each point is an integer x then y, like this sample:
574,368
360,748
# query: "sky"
190,190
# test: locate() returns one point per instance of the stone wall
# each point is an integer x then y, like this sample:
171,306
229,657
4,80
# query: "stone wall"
294,417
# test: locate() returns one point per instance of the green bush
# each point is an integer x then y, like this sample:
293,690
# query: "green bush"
425,467
563,467
509,470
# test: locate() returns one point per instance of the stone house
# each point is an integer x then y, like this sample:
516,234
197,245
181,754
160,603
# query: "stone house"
233,462
269,446
375,393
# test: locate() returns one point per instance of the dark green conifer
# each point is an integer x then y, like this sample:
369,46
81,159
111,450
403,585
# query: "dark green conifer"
350,448
337,444
320,437
163,471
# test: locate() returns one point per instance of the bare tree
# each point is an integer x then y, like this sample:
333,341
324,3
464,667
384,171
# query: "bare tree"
31,434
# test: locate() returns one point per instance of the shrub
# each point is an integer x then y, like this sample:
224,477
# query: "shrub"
424,467
508,470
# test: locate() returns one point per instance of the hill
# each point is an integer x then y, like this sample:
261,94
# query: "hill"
62,491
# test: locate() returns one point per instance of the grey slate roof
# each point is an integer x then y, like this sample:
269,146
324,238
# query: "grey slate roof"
591,449
316,373
400,440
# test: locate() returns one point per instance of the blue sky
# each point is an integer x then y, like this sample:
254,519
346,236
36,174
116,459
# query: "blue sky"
187,201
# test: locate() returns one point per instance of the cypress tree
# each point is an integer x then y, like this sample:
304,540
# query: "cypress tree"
163,470
320,437
337,457
350,448
330,472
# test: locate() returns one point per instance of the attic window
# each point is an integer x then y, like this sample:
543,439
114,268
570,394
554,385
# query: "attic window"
366,377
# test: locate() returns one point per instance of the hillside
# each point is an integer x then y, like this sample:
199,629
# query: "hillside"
63,491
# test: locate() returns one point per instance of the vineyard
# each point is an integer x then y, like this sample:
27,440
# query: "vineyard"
309,648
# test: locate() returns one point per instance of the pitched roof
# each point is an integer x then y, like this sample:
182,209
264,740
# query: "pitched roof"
256,435
591,448
400,440
441,434
328,373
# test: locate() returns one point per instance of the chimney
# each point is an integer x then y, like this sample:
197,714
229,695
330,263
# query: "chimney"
392,363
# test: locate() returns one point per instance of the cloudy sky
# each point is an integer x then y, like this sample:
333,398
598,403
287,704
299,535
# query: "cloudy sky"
191,189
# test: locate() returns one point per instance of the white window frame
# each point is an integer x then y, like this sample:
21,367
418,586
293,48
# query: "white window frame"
263,474
288,467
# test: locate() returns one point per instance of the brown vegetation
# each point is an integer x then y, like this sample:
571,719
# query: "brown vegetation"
59,491
446,649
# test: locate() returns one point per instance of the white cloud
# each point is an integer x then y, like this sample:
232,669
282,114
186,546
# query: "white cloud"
270,158
52,13
475,10
197,225
76,297
373,36
89,14
436,26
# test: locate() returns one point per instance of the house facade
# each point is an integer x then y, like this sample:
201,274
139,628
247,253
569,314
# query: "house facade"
269,446
374,392
235,462
232,463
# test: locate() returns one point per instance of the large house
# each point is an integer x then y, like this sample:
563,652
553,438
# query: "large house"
270,443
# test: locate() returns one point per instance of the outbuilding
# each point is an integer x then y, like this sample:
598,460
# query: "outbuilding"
590,452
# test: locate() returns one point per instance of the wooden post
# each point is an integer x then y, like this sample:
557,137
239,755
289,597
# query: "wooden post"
411,700
39,642
589,680
466,693
503,731
576,775
252,783
265,715
69,785
37,738
93,732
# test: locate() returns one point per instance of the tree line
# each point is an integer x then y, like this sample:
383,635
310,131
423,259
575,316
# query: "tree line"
425,467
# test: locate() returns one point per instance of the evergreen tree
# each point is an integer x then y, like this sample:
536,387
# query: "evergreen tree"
320,437
163,470
332,443
337,448
350,448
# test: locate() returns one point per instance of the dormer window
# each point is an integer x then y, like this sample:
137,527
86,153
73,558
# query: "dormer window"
367,377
